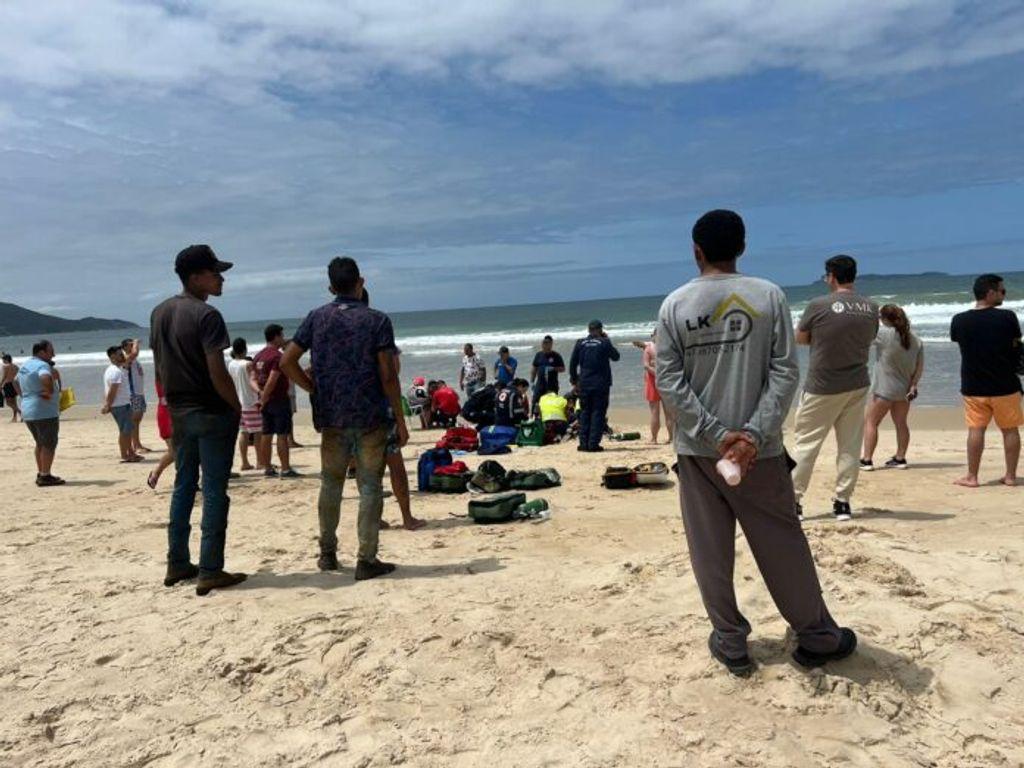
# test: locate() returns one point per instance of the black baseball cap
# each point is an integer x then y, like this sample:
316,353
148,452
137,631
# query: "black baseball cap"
595,325
196,258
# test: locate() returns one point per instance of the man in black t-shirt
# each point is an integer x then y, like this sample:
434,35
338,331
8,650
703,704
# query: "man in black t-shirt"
990,354
547,364
188,338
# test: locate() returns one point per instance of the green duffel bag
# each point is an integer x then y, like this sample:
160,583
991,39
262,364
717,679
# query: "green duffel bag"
496,509
530,433
449,483
534,479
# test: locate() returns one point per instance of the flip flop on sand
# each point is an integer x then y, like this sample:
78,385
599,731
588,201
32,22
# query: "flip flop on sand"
132,459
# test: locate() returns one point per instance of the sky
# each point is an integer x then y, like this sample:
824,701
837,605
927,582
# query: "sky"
473,153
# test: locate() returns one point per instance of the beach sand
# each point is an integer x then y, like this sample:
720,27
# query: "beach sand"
580,641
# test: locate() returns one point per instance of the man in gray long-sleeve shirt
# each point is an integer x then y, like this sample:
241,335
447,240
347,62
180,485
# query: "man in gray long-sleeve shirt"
727,365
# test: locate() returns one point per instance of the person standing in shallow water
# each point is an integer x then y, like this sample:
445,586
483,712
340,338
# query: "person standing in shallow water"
188,338
727,364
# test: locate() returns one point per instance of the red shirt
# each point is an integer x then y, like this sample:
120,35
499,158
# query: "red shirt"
266,362
446,401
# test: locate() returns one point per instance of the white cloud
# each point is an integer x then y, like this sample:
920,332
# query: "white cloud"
238,46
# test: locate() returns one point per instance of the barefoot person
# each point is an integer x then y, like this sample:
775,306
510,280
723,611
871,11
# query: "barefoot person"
840,328
39,387
473,373
9,373
352,348
990,353
165,429
136,379
655,403
117,402
898,369
188,338
241,370
727,363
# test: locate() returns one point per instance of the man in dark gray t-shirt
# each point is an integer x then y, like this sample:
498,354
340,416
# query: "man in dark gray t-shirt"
840,329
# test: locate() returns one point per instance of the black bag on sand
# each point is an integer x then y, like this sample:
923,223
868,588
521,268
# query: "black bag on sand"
534,479
496,509
450,483
618,478
490,477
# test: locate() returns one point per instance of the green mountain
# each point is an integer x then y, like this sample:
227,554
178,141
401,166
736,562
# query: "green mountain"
18,321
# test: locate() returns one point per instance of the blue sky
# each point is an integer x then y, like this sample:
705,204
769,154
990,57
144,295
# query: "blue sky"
475,153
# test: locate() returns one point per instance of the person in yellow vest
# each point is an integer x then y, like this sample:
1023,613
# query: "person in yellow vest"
554,412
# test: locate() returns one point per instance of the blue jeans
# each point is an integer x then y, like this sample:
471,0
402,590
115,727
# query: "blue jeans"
593,416
207,440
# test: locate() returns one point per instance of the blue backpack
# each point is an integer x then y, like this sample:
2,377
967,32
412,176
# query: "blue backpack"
429,461
494,440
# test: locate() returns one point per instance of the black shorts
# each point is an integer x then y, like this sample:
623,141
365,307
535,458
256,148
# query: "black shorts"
277,417
9,391
45,432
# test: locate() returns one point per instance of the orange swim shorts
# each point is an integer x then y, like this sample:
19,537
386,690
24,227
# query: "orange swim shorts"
1005,409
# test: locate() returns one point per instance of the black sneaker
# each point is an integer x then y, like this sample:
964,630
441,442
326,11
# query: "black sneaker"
811,659
328,561
366,569
597,449
841,510
895,463
741,667
867,465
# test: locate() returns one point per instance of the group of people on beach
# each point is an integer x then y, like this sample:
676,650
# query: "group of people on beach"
722,365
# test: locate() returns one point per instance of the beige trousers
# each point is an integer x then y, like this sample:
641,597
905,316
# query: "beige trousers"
816,416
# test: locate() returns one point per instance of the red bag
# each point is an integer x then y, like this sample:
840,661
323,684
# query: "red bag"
455,468
460,439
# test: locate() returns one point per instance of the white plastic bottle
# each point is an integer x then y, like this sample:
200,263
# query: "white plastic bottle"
730,471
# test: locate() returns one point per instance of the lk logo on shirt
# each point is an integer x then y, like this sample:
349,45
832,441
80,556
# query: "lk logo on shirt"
730,323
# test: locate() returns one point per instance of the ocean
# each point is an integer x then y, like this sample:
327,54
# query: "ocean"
431,341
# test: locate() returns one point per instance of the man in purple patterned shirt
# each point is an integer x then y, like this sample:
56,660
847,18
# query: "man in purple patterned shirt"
352,351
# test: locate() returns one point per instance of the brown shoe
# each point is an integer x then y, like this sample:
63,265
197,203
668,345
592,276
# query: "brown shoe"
219,580
180,573
366,569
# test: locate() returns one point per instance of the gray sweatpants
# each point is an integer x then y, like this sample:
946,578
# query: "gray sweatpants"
764,505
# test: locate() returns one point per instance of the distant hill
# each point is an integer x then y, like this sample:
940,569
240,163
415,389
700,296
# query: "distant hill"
925,285
18,321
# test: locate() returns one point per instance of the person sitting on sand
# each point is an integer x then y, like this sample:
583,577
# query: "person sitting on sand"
117,402
240,368
727,365
188,338
352,348
7,376
990,355
898,369
554,414
39,387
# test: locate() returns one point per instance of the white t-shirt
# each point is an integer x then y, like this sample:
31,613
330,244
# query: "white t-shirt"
115,374
138,378
239,371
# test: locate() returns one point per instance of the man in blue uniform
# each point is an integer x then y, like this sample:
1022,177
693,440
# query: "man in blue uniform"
590,373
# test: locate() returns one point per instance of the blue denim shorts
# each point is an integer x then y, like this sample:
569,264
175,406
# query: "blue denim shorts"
123,416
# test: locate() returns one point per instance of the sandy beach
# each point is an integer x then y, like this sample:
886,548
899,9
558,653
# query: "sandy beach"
579,641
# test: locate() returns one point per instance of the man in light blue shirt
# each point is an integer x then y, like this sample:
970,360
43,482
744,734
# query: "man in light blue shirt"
39,387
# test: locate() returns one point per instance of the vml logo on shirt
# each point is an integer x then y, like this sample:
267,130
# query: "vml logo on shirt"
730,323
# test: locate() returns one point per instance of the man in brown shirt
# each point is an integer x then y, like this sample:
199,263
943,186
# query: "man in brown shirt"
188,338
